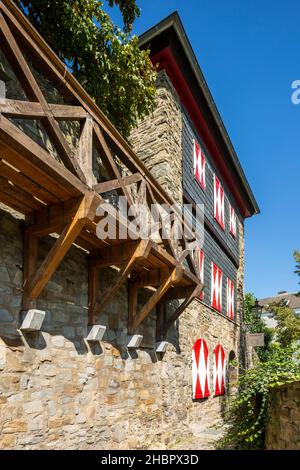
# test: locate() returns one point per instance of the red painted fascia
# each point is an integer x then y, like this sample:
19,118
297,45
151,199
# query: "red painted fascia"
167,61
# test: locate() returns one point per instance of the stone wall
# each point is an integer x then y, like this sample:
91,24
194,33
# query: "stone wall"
283,428
56,391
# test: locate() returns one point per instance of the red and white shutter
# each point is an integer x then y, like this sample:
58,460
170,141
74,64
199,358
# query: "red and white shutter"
232,221
230,299
200,370
216,287
199,165
219,370
219,202
199,261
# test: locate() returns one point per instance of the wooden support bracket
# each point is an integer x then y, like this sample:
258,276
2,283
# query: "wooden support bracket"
135,254
135,318
36,279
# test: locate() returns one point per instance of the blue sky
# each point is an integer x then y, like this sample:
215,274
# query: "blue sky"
249,54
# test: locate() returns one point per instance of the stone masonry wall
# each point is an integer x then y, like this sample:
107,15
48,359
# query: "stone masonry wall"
283,428
56,392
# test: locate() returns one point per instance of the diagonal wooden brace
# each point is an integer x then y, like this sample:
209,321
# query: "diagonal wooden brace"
36,280
136,318
140,253
194,293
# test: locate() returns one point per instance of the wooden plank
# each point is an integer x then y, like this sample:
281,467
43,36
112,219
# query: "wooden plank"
115,255
12,136
21,109
26,183
63,112
114,184
14,203
34,110
19,194
151,278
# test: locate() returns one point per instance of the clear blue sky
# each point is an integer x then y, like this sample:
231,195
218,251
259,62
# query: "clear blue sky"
249,53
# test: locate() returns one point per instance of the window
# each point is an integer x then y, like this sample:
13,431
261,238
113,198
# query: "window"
230,299
219,202
219,370
232,221
200,370
199,165
216,287
199,261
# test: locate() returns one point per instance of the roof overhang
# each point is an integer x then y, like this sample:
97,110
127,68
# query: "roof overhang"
171,49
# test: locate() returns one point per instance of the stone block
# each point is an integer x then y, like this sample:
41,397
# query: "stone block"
96,333
32,320
134,341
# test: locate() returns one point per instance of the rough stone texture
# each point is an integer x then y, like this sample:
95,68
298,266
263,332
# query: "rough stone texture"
157,140
56,390
283,428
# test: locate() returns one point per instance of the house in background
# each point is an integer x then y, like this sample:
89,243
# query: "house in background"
288,299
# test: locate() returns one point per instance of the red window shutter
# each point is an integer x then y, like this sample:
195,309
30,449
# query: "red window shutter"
219,370
230,299
232,221
219,202
200,370
216,287
199,261
199,165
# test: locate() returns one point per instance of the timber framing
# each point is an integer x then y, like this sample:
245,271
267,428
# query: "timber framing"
59,194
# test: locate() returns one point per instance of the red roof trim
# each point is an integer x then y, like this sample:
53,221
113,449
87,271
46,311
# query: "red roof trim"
167,61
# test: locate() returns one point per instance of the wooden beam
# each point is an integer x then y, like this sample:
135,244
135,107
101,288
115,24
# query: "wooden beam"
115,184
111,162
194,293
85,151
34,93
16,144
114,255
30,253
18,193
34,110
93,287
166,241
58,251
26,183
150,278
140,253
174,277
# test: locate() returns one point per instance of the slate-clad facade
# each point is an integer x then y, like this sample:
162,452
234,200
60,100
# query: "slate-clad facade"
213,251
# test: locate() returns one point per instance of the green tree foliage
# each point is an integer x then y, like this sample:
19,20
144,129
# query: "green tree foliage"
288,327
247,414
105,59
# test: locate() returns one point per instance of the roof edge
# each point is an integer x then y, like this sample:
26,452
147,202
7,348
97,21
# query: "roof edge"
174,21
